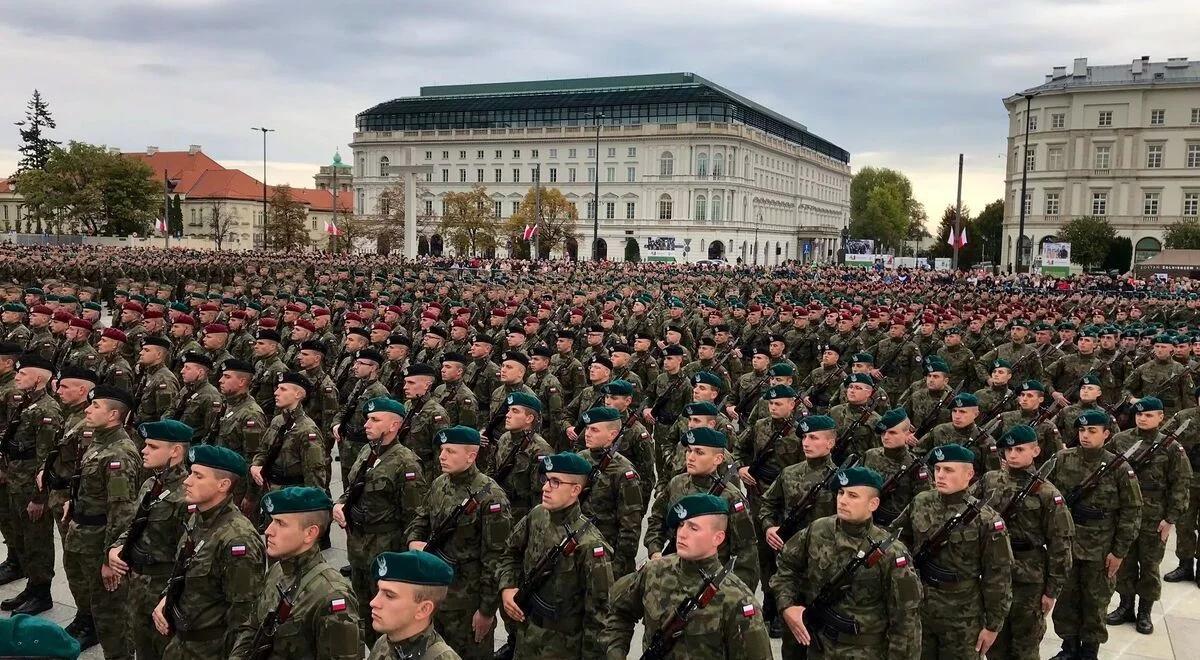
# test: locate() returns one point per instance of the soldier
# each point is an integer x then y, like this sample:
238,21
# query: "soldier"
1040,532
663,404
642,362
377,506
348,430
215,342
958,357
78,349
267,369
218,562
1161,377
153,534
411,587
432,345
73,387
706,450
198,404
183,336
923,400
112,368
1017,351
903,470
1031,394
1090,392
635,442
323,406
157,387
547,388
599,372
613,500
1164,475
480,375
513,367
962,430
34,420
856,417
777,374
469,536
620,355
41,340
392,373
293,450
795,481
568,605
425,415
997,397
968,574
1064,374
1188,525
566,368
822,382
323,618
459,401
897,359
885,617
1106,515
733,629
519,453
14,330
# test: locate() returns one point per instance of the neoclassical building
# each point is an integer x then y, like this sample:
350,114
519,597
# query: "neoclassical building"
1120,141
679,157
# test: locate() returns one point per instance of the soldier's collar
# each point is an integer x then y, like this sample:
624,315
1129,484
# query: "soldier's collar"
415,646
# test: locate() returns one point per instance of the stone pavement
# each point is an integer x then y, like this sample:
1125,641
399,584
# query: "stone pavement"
1176,617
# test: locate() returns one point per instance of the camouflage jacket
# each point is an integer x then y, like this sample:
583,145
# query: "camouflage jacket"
1040,528
242,426
167,515
862,437
200,406
394,485
425,418
102,503
522,483
71,443
322,405
38,418
1190,439
971,437
888,462
301,457
80,354
1149,379
786,449
614,502
428,645
1048,438
1030,368
155,393
1164,479
115,371
1107,518
460,403
789,489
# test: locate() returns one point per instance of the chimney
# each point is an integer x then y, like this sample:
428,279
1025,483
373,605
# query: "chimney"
150,151
193,149
1080,70
1049,77
1136,68
1059,71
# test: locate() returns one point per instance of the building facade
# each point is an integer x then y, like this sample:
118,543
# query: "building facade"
679,158
1119,141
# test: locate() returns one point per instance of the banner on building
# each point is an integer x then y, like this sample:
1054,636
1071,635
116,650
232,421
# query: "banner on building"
862,246
1056,259
663,248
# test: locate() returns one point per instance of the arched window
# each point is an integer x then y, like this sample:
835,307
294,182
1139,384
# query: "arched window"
666,164
716,204
383,165
702,208
718,165
702,165
1146,248
664,207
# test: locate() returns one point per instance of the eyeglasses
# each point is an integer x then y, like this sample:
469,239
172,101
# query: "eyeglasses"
555,483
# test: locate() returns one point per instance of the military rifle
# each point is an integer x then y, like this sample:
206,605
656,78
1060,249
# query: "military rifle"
791,522
1033,486
506,465
178,581
745,405
656,410
1124,412
913,469
664,639
924,557
357,487
442,534
1075,496
141,517
1143,457
817,388
931,418
276,447
263,645
839,445
758,468
601,465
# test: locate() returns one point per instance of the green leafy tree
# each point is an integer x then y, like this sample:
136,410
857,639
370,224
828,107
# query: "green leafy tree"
84,188
633,252
988,228
469,222
881,206
1090,238
1119,255
1183,235
559,221
286,221
970,253
36,147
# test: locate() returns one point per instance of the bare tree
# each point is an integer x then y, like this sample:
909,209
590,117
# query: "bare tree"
221,223
385,226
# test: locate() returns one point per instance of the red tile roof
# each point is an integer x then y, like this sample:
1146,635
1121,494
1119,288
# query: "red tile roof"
6,186
322,200
176,163
236,184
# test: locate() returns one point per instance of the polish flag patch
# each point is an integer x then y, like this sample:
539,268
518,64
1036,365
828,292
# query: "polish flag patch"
238,551
598,552
337,605
1058,500
739,507
901,561
494,508
192,508
312,436
630,475
251,424
998,526
47,420
749,610
923,474
410,476
1132,474
114,465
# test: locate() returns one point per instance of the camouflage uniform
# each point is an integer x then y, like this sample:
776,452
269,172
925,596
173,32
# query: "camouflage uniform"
549,392
425,418
863,436
351,418
669,394
115,371
569,372
961,361
460,403
322,403
1048,437
890,461
990,399
986,456
920,402
1064,374
200,406
154,394
571,606
1149,378
1188,526
900,362
266,377
301,457
56,480
522,484
614,503
38,418
787,491
80,354
428,645
480,377
1013,353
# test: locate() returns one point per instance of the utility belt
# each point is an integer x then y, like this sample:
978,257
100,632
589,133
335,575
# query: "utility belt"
1023,545
945,580
375,528
88,520
279,477
201,635
543,614
1083,513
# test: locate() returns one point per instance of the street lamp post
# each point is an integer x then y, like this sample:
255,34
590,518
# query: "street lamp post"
756,224
596,195
264,181
1024,163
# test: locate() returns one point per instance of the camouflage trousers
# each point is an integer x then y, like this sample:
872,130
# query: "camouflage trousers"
945,636
54,507
178,649
1188,527
1024,628
455,627
144,593
1083,603
1139,573
766,563
107,608
31,540
361,549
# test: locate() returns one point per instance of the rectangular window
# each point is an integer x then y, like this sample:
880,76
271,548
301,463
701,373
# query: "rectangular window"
1099,203
499,175
631,174
1150,203
610,210
612,152
497,209
462,155
479,175
1058,120
1191,204
1158,117
630,210
1052,206
429,176
1032,123
1105,118
1196,115
553,175
1103,158
1028,203
479,155
515,206
1154,155
664,209
1054,158
591,210
516,153
1193,155
591,152
632,152
570,153
462,176
428,155
445,176
571,174
1031,158
554,153
591,174
516,175
445,155
610,174
533,153
499,154
429,207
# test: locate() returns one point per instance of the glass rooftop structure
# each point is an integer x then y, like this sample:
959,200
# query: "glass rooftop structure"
664,98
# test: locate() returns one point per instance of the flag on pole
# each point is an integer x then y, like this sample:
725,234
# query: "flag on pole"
530,231
951,241
161,225
962,238
332,229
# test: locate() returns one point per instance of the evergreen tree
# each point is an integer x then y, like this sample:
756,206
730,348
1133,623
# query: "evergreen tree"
35,147
175,217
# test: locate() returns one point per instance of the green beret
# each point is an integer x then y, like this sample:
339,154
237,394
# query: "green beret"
385,404
694,506
779,392
15,307
218,458
1093,417
863,358
617,388
951,453
168,430
965,400
1182,339
1017,435
1019,323
600,414
700,408
862,379
458,435
1090,379
296,499
1032,386
413,567
859,476
816,423
936,364
1090,331
782,369
1148,404
708,378
705,437
25,636
891,419
524,400
1001,363
566,463
1164,339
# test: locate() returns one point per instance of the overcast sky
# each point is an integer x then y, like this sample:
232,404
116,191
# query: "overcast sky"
902,84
